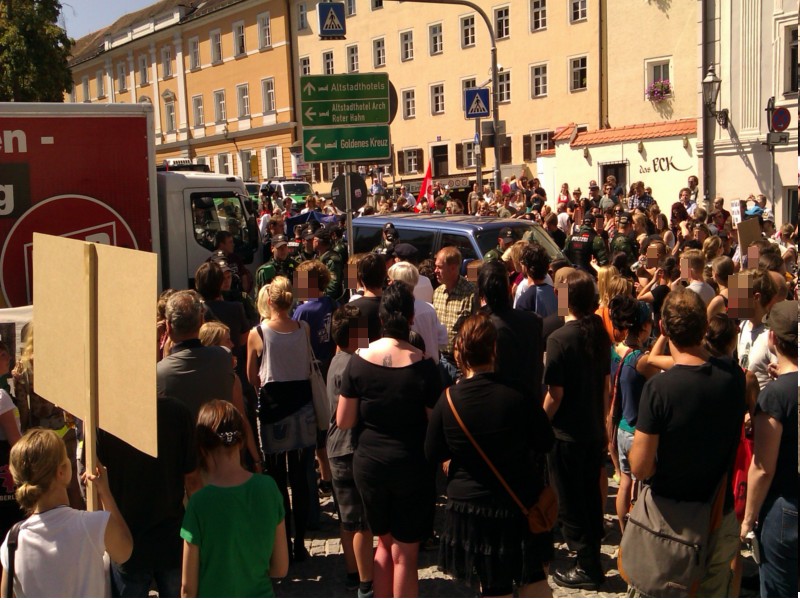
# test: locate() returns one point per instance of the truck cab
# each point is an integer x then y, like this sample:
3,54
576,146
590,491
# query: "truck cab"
192,208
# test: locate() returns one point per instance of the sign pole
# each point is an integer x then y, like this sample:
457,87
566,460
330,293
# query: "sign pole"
478,154
348,201
90,422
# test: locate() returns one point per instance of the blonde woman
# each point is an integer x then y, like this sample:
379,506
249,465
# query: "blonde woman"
278,365
613,284
215,333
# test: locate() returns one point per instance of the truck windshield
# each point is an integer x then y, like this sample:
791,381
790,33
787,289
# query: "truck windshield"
220,211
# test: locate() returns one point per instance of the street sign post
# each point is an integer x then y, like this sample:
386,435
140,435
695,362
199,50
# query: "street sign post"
343,144
320,113
476,103
331,20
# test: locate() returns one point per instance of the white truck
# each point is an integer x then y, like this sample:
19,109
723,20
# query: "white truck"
88,172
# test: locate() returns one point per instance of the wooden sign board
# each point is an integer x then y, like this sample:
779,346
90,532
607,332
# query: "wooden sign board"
749,232
94,308
737,211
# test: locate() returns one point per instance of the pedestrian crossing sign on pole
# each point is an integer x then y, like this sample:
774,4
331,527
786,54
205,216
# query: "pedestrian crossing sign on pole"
331,20
476,103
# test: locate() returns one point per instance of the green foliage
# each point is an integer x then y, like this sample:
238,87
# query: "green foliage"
34,52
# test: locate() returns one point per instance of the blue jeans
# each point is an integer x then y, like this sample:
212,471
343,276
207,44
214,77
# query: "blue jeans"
778,536
136,584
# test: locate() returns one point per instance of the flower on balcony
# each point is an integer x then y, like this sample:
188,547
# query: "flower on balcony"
658,90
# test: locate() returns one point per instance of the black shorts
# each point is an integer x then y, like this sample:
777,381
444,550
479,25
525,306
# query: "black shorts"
398,499
348,500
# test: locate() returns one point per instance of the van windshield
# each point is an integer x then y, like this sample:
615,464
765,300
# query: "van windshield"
297,189
220,211
488,239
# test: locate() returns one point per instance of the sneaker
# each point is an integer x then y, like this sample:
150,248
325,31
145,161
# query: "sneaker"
351,582
369,594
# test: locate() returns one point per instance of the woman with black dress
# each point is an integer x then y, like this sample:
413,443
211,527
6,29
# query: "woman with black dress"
486,539
387,392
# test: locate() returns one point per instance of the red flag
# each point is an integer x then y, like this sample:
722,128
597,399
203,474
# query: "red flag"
426,190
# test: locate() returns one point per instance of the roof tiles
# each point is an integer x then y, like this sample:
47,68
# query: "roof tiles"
646,131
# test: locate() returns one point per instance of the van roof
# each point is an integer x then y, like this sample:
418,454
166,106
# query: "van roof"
439,221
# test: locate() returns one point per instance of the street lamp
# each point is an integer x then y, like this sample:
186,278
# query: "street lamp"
711,85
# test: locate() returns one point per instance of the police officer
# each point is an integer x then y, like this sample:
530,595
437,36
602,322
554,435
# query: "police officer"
339,243
280,263
390,238
322,247
505,240
306,250
582,246
622,241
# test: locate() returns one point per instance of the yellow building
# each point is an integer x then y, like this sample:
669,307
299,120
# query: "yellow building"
216,73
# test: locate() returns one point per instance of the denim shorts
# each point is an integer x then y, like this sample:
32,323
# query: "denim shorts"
624,443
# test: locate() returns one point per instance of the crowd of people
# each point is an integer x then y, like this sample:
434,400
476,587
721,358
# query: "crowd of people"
657,350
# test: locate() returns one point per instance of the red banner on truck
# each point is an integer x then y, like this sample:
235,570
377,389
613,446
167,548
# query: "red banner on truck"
71,171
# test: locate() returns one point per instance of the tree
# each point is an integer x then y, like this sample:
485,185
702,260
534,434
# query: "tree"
34,52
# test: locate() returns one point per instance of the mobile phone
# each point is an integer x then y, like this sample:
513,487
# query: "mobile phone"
755,546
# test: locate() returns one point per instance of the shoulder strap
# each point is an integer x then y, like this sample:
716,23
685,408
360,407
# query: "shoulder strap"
13,542
483,455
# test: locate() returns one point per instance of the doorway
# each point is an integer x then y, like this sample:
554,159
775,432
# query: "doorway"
618,170
439,161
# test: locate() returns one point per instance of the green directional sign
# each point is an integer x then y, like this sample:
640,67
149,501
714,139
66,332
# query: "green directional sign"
356,86
345,112
346,143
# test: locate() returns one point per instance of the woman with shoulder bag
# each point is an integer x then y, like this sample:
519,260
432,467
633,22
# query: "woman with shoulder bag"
278,365
486,539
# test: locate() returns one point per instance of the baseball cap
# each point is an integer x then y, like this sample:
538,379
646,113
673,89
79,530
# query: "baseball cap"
593,185
308,233
390,227
588,219
405,251
279,240
782,319
624,219
507,234
323,234
221,260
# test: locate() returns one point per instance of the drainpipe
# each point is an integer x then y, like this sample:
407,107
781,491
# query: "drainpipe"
293,59
707,58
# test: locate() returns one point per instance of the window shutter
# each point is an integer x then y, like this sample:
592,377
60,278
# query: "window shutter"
527,143
551,144
459,156
421,168
484,151
401,163
505,155
279,154
325,172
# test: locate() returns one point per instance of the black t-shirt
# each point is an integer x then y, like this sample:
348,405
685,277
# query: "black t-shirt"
392,403
580,417
659,293
779,400
697,412
507,427
149,491
232,315
369,307
559,237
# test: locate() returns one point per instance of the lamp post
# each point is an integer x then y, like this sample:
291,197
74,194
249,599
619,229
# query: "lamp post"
495,117
711,85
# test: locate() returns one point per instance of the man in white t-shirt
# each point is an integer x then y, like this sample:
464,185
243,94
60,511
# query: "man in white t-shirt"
692,263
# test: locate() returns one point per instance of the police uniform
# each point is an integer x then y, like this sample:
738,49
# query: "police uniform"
333,261
623,243
493,254
507,235
581,246
274,267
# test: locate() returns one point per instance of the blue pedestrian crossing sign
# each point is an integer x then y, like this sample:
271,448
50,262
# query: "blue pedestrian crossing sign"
476,103
331,20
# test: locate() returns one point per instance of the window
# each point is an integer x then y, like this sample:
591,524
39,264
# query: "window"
305,66
436,39
264,31
194,53
469,155
538,15
577,10
466,84
350,7
143,78
268,94
437,99
223,164
791,62
302,16
577,67
243,100
377,4
379,52
216,46
239,48
327,63
407,45
85,85
121,77
101,84
352,59
410,161
538,81
273,161
197,111
166,62
169,116
504,86
409,104
542,141
219,106
244,159
502,23
467,31
657,70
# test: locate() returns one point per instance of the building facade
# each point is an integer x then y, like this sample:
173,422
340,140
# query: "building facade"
216,73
